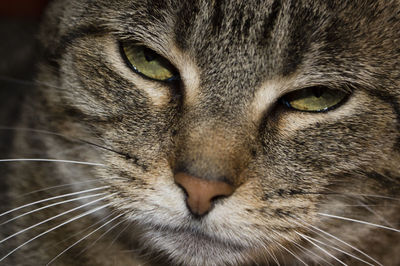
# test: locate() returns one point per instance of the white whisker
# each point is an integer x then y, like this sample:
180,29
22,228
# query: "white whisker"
380,217
54,217
309,251
357,196
273,256
61,186
54,228
50,160
117,236
53,198
86,229
32,130
359,221
303,248
341,241
340,250
26,82
292,253
322,249
102,235
52,205
83,238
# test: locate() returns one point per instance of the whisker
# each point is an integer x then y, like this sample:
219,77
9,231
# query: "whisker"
61,186
359,221
309,251
339,240
292,253
26,82
102,235
117,236
49,160
380,217
273,256
83,238
355,195
54,228
53,198
304,249
86,229
51,205
35,131
322,249
95,145
340,250
270,255
54,217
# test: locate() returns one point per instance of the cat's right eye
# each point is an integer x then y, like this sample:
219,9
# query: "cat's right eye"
148,63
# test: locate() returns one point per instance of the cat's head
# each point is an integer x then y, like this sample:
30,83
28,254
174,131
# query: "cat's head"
233,128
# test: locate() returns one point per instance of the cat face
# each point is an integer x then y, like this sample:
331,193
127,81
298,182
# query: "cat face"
257,125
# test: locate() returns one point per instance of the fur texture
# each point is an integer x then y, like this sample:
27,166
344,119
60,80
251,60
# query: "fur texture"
293,171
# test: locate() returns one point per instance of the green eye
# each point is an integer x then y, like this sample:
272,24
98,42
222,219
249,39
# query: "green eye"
314,99
148,63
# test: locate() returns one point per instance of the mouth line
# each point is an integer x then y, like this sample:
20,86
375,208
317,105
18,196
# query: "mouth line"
197,235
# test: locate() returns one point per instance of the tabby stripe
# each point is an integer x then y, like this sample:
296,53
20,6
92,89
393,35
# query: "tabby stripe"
392,100
270,23
217,18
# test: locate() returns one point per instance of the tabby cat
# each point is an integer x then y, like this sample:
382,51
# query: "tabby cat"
208,132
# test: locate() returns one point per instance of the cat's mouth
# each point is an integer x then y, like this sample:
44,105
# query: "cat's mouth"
193,237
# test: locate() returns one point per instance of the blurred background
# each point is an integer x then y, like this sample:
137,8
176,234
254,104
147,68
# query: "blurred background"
22,8
19,20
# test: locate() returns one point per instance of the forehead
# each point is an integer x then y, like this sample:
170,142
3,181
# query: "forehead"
272,34
249,36
238,45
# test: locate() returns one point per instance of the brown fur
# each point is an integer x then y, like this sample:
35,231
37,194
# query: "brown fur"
222,121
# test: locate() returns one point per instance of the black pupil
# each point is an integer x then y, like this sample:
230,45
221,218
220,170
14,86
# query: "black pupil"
317,91
150,55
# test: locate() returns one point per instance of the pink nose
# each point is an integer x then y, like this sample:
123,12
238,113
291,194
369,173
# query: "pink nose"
202,192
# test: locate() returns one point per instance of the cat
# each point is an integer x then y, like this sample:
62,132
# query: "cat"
209,132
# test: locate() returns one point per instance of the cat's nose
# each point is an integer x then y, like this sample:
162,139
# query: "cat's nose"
201,193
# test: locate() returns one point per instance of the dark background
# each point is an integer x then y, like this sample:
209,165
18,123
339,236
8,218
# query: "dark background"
22,8
19,20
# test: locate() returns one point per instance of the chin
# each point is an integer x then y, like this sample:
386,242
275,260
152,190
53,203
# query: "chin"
193,247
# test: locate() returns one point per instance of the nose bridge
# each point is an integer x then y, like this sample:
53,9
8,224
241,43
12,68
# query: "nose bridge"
213,151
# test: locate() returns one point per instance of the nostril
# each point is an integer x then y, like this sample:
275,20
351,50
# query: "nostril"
201,193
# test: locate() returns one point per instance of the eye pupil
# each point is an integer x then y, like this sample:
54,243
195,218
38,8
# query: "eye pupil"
149,54
317,91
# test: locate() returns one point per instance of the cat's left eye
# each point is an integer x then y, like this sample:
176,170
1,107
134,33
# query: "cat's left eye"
314,99
148,63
